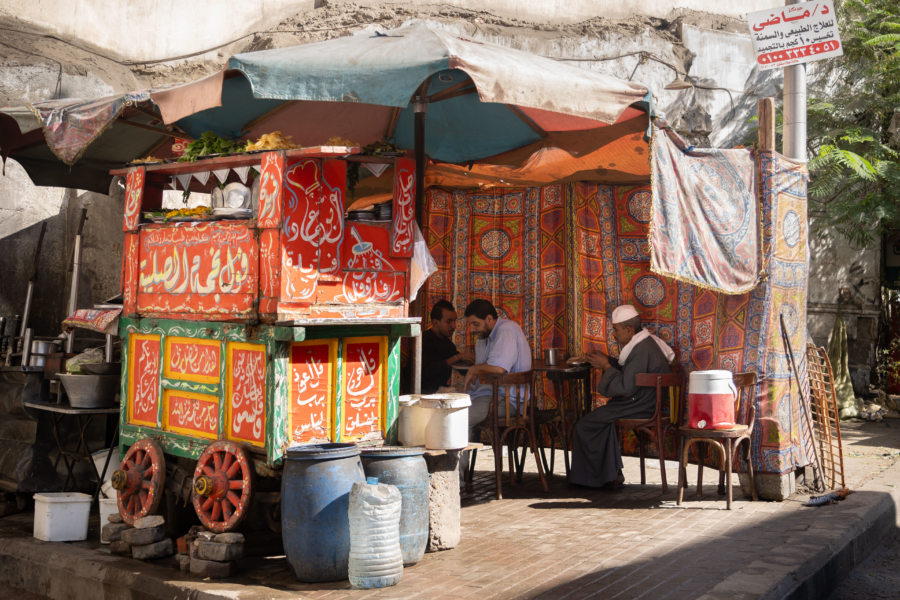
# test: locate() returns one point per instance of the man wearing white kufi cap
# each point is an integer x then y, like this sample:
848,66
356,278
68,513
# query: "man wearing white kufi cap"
596,457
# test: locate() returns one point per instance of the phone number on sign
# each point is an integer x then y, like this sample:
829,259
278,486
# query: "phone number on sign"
798,53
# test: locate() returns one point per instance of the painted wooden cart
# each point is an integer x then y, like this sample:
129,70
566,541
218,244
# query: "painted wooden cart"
242,338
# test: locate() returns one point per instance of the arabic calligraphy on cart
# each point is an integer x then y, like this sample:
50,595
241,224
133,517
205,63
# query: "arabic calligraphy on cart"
794,34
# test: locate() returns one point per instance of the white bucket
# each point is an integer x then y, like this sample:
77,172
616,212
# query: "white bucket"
107,506
412,421
99,458
448,422
61,516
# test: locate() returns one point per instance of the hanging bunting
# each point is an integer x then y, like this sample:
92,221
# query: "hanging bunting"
172,183
242,173
376,168
222,174
185,180
202,177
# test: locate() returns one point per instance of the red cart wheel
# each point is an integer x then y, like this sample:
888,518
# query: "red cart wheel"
139,480
222,486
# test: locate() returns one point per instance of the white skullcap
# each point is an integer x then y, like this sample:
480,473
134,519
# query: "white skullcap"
623,313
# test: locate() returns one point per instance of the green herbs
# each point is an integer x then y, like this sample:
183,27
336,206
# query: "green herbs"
210,143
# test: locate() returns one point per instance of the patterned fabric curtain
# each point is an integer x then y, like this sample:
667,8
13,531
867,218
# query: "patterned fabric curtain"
558,259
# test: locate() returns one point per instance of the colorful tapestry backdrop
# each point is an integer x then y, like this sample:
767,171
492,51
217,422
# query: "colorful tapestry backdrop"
558,259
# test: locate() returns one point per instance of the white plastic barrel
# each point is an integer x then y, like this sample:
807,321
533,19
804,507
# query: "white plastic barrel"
376,560
711,398
412,421
448,423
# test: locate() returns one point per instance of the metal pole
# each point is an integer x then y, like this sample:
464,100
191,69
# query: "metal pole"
417,364
420,107
794,140
73,290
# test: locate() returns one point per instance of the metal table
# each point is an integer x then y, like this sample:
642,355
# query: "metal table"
80,450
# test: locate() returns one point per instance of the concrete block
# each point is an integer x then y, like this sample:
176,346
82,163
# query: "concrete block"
149,522
443,506
158,549
206,535
115,518
229,538
112,532
120,547
219,552
142,537
211,568
184,562
775,486
193,547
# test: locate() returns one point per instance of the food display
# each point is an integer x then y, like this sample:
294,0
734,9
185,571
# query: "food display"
272,141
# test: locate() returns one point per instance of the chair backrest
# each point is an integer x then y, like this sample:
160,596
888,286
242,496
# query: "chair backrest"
673,381
513,391
745,403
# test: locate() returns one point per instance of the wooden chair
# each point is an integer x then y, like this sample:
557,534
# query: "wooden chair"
656,426
512,427
571,387
726,441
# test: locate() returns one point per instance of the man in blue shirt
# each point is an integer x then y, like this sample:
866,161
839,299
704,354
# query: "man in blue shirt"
501,348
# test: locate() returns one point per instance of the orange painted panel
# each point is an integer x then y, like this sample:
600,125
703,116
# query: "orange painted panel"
364,367
130,273
270,191
134,193
191,413
198,267
360,287
245,392
197,306
300,232
404,207
269,262
331,216
312,389
192,359
143,379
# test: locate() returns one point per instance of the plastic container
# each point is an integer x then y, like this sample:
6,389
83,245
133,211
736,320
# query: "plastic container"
61,516
448,423
107,506
405,469
374,515
711,398
413,419
99,458
315,497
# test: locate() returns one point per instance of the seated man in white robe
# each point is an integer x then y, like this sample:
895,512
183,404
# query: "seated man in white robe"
596,457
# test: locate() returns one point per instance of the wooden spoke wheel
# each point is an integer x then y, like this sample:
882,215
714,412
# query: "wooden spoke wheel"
222,486
139,481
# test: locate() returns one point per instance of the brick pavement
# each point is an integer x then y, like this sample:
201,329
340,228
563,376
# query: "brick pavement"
576,543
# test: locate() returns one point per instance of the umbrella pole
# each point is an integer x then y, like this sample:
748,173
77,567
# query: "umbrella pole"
420,107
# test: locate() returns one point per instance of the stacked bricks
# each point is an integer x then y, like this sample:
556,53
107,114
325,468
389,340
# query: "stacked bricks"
209,554
145,541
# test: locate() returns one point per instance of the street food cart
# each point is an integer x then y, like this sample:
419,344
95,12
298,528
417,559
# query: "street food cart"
244,333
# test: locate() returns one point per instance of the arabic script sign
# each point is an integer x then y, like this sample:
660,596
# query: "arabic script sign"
797,33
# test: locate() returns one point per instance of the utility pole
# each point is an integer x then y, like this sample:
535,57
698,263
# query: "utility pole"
794,133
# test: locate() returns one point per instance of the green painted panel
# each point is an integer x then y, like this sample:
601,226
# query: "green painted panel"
393,391
191,386
277,398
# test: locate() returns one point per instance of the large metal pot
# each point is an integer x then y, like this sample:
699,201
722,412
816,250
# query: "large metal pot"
90,391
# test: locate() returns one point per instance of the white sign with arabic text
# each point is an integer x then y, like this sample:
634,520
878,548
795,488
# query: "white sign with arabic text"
796,33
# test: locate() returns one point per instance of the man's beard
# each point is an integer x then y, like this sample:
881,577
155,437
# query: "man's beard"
484,335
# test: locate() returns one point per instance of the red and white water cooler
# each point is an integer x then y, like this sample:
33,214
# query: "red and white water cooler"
711,398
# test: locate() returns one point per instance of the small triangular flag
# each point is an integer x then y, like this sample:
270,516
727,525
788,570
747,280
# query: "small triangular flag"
172,183
202,177
242,173
221,174
185,180
376,168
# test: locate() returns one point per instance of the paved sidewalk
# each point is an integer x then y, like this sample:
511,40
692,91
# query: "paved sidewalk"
569,543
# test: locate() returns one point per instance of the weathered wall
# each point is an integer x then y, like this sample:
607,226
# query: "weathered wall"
180,28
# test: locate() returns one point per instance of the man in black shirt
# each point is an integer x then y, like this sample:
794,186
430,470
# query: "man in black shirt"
438,350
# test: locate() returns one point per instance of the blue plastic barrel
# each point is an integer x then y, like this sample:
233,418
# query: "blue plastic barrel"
404,468
315,498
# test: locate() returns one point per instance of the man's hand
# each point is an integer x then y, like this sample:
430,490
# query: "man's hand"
598,360
476,370
466,356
